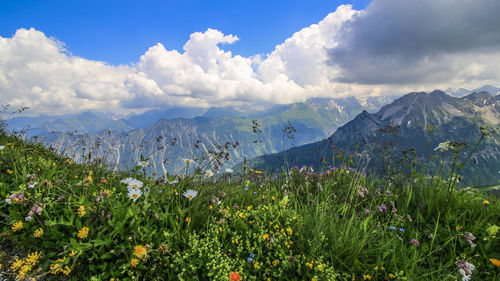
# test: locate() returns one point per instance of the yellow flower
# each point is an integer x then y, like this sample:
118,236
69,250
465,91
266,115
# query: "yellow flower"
275,263
38,232
495,262
256,265
17,264
83,233
188,219
32,258
249,208
211,207
140,251
289,230
81,211
273,198
367,277
265,236
73,253
375,268
320,267
486,202
240,215
134,262
9,172
17,226
392,276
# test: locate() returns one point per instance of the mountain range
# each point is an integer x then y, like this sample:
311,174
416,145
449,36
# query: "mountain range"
403,126
166,140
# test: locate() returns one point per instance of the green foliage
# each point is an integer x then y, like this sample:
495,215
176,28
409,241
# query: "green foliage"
336,225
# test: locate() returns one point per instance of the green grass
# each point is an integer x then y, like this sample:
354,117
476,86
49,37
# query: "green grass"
304,226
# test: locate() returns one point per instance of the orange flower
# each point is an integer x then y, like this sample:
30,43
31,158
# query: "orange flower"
495,262
134,262
234,276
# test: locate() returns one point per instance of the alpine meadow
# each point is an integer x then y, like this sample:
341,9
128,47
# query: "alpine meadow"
250,140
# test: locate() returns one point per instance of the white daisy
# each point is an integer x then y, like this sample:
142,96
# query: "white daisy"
190,194
187,160
142,163
127,180
134,183
209,173
229,170
134,193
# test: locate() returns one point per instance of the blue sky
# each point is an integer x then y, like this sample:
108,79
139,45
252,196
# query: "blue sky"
120,31
130,56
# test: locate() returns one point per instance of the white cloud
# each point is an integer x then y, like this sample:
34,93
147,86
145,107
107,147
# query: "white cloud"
37,71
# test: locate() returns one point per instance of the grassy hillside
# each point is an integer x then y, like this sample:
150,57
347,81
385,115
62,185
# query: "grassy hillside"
63,221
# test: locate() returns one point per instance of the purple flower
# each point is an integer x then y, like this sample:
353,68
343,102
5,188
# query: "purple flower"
402,229
383,208
236,207
392,228
415,241
388,192
367,211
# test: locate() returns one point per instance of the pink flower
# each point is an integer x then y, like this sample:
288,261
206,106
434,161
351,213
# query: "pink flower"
413,241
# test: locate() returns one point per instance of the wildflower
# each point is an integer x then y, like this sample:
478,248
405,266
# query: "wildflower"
415,241
444,146
229,170
190,194
392,276
210,207
134,193
382,208
81,211
134,262
249,208
9,172
367,211
402,229
388,192
367,277
469,237
83,233
73,253
188,219
38,232
140,251
135,184
492,230
142,163
28,218
495,262
209,173
256,265
2,147
188,160
392,228
375,268
486,202
17,226
31,184
7,200
289,230
127,181
236,207
234,276
249,259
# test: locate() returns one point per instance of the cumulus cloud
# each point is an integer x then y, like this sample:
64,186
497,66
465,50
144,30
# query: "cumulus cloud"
419,41
391,47
36,71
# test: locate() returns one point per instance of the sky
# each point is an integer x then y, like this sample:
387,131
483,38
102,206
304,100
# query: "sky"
121,56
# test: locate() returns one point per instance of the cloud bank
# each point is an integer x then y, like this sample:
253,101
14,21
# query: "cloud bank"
391,47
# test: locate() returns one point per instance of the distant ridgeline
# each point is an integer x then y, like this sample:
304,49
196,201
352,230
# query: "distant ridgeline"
166,137
412,127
